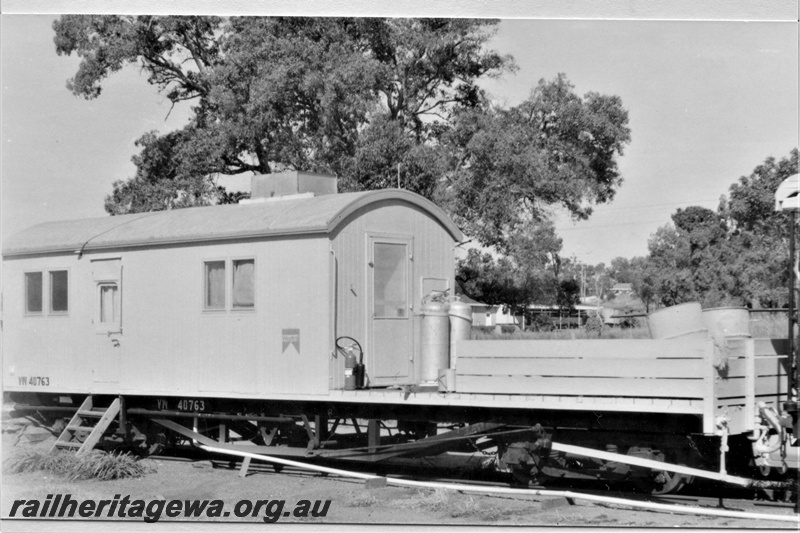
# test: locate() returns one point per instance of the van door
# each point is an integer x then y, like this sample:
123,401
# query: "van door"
390,310
107,319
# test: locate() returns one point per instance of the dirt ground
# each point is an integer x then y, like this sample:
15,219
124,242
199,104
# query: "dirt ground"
352,501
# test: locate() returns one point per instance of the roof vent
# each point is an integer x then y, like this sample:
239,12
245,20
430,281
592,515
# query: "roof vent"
292,183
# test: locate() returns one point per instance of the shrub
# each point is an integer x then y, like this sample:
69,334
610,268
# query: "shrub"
540,323
594,325
96,464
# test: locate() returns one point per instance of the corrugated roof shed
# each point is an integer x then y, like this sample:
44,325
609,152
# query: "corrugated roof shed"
278,217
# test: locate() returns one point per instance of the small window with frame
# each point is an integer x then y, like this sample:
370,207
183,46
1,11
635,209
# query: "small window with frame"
214,285
244,293
34,293
109,304
59,292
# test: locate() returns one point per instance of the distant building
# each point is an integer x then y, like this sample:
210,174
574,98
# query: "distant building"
494,315
489,315
566,320
621,288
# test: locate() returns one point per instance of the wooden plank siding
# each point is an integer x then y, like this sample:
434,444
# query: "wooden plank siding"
599,368
772,365
584,349
757,371
640,368
583,386
760,385
631,372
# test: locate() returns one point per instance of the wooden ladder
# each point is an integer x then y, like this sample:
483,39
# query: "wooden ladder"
89,421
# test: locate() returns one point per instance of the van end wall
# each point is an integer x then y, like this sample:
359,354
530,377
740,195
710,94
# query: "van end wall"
433,258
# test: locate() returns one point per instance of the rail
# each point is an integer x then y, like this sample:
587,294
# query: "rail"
503,490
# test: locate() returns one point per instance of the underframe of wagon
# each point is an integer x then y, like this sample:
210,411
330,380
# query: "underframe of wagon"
373,433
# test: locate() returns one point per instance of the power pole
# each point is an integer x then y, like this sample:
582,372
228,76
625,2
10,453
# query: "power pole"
583,283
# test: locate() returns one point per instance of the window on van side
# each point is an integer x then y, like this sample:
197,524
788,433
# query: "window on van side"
33,292
244,293
59,291
214,285
109,303
390,291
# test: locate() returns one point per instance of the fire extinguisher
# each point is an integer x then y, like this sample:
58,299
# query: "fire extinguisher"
353,367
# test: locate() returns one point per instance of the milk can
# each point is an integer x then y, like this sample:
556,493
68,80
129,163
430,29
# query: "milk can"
435,337
460,325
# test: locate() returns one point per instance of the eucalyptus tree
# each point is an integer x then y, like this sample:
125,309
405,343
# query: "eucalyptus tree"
377,101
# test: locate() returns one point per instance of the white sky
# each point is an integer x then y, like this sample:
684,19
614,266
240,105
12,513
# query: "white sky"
708,101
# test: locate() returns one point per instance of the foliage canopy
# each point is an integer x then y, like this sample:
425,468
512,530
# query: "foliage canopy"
737,255
375,101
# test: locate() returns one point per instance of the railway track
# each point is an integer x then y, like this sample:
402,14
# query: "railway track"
708,495
470,470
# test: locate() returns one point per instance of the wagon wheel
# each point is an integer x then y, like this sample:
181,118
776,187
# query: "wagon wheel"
521,475
663,482
669,482
151,437
57,426
156,441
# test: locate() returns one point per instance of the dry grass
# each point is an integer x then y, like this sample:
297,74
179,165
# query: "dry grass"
433,500
361,499
449,502
96,464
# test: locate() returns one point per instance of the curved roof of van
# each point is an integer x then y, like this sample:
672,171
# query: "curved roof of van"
283,216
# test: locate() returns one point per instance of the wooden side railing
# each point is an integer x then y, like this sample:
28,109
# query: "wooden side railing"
609,368
635,369
757,371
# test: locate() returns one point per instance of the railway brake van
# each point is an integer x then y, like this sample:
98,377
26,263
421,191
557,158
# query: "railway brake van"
231,300
315,324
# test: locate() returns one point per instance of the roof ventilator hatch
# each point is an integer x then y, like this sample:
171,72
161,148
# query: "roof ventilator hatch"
290,184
